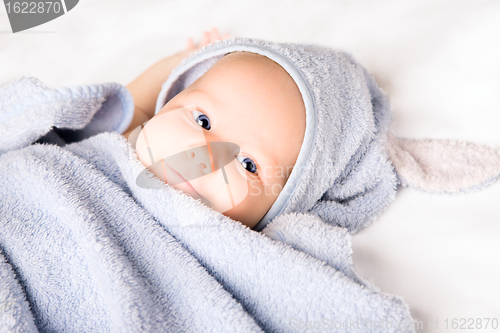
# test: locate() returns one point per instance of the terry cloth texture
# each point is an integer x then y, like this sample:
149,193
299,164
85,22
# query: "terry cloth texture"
83,248
342,174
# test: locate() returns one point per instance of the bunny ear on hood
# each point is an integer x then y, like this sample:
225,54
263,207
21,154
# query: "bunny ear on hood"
443,166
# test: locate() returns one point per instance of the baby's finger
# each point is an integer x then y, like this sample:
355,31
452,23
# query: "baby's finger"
214,35
190,44
205,39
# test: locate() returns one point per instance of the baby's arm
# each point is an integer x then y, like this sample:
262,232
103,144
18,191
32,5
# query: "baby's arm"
146,88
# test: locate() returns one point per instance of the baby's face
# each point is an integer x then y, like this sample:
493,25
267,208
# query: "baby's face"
231,138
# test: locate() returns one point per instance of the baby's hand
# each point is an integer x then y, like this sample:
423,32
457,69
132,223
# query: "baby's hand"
207,38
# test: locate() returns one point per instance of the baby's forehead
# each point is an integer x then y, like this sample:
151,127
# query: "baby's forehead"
248,75
254,78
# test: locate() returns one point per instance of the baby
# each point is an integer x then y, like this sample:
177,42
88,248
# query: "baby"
258,129
244,98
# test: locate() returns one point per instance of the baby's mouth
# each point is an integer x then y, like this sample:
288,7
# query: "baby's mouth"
181,179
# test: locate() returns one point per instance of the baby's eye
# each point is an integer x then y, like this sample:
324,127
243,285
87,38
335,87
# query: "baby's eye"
248,164
202,119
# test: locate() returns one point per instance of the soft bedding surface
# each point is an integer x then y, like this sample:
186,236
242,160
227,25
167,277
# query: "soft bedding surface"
438,61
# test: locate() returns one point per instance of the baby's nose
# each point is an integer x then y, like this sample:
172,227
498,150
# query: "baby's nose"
211,157
198,161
